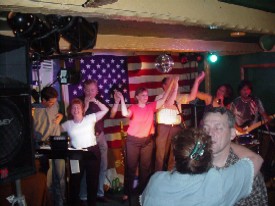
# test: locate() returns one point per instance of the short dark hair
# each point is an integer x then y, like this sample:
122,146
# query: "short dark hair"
184,143
48,93
244,83
222,110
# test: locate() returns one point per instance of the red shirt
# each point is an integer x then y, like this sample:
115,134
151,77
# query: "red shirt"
142,120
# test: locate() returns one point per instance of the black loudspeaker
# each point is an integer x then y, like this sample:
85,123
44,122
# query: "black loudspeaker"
192,114
16,142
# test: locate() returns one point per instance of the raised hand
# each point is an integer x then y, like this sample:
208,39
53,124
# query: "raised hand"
117,96
200,77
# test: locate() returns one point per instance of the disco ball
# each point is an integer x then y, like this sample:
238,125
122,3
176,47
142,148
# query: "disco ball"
164,63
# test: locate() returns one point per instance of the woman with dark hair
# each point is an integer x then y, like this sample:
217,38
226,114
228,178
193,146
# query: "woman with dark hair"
81,130
194,182
139,142
222,98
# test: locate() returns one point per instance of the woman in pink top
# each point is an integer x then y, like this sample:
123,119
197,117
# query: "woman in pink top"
139,144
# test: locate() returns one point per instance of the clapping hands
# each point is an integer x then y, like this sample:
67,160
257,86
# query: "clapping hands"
118,96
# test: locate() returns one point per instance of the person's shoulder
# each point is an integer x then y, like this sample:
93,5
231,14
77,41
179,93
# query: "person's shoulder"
236,100
82,97
181,97
255,98
90,116
38,105
152,104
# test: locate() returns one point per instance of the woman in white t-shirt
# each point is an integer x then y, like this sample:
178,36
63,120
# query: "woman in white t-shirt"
80,129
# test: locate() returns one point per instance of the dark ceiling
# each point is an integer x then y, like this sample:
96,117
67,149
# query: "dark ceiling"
265,5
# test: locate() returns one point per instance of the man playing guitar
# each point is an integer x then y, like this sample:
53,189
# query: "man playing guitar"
247,109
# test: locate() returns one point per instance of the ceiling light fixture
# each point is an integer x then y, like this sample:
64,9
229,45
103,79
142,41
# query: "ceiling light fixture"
213,58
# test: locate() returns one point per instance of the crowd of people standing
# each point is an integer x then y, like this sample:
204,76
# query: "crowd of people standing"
210,147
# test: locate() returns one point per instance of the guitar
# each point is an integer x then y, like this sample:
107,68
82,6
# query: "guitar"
250,128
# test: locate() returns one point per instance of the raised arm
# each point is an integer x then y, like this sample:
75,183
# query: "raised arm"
124,111
194,90
116,104
207,98
172,96
243,152
103,110
173,85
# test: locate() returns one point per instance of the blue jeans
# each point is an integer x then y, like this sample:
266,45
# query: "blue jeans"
103,147
56,181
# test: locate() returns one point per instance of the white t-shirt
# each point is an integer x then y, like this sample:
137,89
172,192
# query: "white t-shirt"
82,134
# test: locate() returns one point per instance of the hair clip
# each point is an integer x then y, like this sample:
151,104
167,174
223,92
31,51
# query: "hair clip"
198,151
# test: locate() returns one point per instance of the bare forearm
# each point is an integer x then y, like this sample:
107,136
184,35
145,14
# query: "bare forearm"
161,101
194,91
172,96
102,106
104,109
114,110
124,110
195,87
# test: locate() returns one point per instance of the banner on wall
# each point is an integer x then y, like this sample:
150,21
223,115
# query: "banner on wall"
125,74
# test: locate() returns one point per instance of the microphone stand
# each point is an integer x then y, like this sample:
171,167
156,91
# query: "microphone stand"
180,113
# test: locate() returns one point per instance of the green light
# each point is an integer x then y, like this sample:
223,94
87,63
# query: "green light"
213,58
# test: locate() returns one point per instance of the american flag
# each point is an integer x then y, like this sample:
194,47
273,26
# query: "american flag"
109,71
128,74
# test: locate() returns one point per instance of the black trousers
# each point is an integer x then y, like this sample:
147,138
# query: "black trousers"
92,167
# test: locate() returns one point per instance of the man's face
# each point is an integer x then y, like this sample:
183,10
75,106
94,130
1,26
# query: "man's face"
90,90
245,92
217,126
49,103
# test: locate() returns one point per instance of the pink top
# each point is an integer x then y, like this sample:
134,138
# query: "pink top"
142,120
